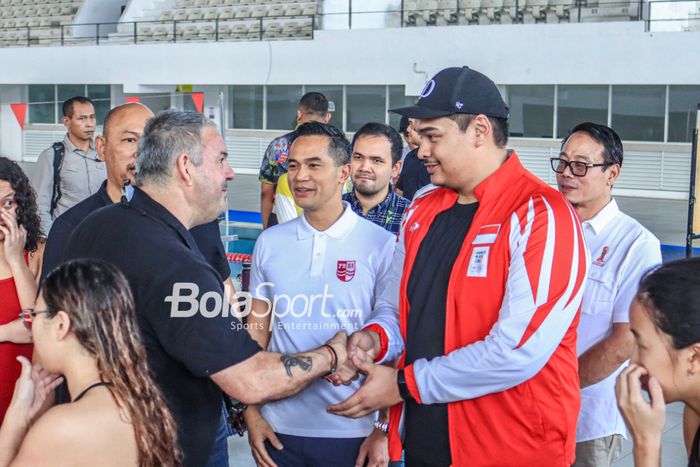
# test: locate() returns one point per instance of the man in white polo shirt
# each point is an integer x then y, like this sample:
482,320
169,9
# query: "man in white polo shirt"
311,277
621,251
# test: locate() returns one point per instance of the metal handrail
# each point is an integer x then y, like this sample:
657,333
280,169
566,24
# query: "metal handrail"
66,31
573,10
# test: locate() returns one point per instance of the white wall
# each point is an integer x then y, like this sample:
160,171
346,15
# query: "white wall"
10,132
98,11
589,53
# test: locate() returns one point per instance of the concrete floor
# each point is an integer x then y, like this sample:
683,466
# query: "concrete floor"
665,218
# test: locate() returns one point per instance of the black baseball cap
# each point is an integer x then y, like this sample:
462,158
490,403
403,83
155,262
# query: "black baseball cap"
457,90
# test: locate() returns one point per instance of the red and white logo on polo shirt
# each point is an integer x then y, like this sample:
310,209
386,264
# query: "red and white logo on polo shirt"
345,271
600,261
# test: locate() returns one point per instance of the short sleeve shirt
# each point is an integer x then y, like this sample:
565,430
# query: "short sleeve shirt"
621,250
274,161
414,175
317,284
169,279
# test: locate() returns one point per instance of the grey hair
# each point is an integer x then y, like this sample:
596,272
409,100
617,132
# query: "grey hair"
165,137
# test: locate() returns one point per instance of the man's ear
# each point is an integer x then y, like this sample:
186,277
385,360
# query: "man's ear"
482,129
396,169
344,173
613,173
66,121
100,143
184,163
327,118
693,359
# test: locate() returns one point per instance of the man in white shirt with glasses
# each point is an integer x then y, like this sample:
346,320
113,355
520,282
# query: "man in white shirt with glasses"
621,250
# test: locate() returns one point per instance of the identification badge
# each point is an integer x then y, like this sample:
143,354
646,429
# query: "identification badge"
479,262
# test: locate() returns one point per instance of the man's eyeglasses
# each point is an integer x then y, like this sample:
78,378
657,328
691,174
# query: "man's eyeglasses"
28,315
578,169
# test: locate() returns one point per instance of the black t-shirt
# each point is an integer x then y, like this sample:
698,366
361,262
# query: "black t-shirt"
64,224
414,175
155,252
427,437
206,236
208,239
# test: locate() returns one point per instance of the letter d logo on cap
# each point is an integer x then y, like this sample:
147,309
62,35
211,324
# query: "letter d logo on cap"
428,89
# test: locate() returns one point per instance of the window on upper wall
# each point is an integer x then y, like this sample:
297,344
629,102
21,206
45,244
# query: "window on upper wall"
398,98
101,97
578,104
682,112
334,94
42,103
46,100
282,104
246,108
531,110
638,112
365,104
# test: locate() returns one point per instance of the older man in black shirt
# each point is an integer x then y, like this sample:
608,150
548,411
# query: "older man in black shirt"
116,146
195,347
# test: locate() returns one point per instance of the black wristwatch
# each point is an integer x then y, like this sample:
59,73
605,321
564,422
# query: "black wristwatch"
403,387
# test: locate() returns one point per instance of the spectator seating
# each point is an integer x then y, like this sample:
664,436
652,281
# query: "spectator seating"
33,22
448,12
207,20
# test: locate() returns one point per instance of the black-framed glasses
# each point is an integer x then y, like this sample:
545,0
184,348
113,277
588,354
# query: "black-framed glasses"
577,168
28,315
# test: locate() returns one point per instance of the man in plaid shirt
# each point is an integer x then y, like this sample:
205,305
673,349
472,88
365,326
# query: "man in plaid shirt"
375,161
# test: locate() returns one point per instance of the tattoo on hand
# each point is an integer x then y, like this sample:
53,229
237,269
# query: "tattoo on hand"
290,361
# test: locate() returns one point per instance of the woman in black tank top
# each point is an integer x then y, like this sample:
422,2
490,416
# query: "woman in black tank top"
665,321
84,328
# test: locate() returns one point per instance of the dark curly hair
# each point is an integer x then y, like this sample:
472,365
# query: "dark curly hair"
25,197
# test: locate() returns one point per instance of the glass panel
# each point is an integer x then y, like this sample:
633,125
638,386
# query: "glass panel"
41,108
65,92
638,112
398,98
282,103
577,104
682,112
365,104
246,107
334,94
531,111
101,97
188,104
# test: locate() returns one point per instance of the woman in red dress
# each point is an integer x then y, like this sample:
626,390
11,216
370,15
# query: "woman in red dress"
21,249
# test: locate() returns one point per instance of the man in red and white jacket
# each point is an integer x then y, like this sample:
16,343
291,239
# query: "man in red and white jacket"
490,267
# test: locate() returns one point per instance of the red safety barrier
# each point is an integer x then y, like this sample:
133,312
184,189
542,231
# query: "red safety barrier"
239,258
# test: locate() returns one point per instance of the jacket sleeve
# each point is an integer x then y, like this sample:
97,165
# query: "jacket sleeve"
547,269
44,188
385,316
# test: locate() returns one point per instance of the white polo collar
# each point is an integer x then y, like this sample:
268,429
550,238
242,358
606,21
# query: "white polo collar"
604,216
338,230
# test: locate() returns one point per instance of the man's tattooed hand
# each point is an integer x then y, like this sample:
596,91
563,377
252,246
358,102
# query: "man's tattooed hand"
290,361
